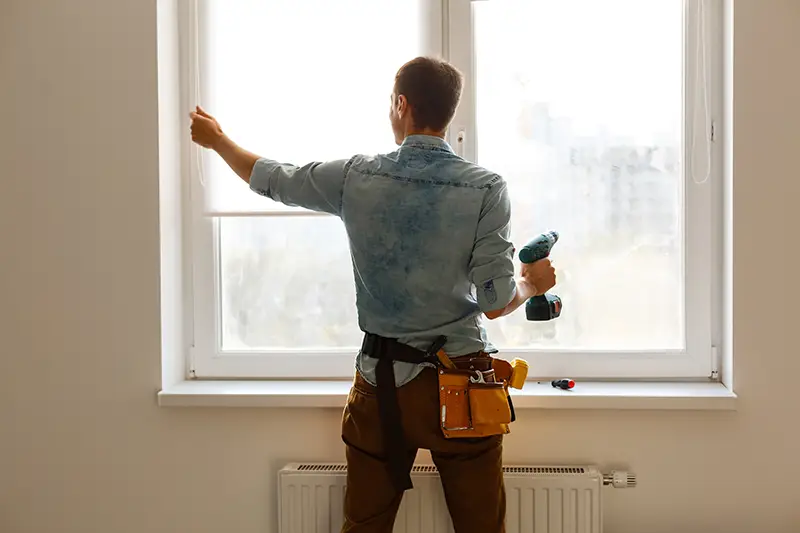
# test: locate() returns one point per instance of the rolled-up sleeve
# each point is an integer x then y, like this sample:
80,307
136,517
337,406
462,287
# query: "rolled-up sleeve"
491,265
315,186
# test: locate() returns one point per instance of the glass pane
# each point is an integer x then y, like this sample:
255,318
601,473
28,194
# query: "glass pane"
287,282
579,107
302,80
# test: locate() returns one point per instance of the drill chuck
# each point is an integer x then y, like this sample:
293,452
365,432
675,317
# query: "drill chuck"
538,248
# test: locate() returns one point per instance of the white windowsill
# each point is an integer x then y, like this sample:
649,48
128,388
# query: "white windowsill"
333,394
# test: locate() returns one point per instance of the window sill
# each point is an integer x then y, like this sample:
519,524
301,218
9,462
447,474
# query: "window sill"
333,394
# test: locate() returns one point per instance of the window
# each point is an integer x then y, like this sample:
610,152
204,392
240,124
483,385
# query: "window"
598,113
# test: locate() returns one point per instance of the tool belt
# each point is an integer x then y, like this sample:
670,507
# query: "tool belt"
473,396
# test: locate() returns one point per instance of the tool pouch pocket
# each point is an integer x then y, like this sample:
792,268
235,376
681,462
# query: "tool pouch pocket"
488,404
470,410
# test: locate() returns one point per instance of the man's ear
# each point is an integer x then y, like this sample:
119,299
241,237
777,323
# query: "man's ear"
402,106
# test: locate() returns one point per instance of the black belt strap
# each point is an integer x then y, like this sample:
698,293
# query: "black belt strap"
386,351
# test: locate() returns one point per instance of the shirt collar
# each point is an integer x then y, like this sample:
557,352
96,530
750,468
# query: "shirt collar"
426,142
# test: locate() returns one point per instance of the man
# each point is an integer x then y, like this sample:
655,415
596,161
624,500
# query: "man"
429,239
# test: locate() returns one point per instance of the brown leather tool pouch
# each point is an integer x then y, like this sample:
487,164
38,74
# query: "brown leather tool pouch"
470,410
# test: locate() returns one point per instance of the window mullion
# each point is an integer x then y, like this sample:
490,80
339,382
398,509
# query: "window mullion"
460,52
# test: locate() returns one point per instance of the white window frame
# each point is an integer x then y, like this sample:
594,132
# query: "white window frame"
449,28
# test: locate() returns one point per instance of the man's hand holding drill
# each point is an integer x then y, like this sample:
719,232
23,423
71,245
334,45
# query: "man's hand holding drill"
536,278
540,274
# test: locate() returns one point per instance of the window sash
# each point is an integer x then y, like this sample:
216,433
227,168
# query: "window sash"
450,29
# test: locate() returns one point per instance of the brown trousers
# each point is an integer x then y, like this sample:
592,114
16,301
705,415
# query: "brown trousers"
470,469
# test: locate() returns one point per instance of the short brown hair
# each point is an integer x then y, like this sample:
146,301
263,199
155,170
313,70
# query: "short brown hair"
432,88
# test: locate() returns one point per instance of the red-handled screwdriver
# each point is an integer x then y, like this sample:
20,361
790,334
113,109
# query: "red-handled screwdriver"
563,384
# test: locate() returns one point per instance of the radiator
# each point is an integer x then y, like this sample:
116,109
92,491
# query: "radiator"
541,499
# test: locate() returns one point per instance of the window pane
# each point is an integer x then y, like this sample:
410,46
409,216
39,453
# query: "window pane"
579,107
302,80
286,283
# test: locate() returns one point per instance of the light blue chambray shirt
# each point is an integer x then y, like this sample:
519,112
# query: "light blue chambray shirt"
429,239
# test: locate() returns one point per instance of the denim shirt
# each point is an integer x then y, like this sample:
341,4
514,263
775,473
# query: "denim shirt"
429,240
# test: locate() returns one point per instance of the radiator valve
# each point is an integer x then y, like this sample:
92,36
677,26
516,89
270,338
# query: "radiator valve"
620,479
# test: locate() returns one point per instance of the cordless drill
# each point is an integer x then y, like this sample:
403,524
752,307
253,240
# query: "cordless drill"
545,306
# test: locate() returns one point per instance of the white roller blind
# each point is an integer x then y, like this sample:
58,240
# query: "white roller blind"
302,80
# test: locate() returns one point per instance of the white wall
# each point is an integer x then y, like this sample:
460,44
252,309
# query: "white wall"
84,447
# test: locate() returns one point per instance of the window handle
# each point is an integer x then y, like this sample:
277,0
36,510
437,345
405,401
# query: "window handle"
461,137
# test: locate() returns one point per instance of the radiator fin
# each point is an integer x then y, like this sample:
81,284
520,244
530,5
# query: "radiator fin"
545,470
431,469
540,499
308,467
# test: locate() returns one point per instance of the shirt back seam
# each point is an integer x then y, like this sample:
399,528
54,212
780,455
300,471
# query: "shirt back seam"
445,183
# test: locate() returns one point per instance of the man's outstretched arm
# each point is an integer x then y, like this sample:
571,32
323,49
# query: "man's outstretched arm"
315,186
207,132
